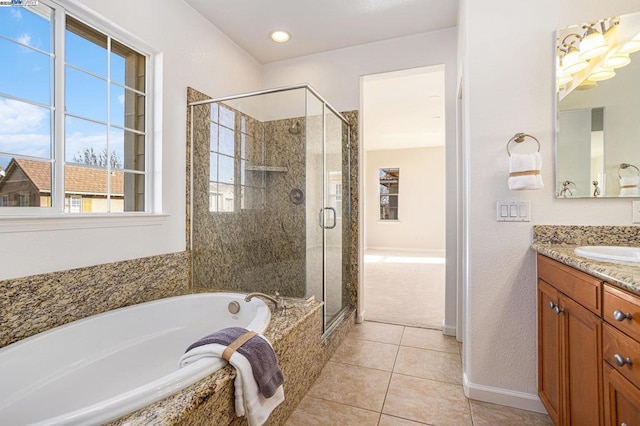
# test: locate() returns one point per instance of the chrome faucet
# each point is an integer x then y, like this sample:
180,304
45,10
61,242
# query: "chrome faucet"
277,300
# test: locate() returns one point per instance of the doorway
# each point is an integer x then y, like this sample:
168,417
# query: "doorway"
403,128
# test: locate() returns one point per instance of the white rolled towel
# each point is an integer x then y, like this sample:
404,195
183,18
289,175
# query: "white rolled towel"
524,171
629,186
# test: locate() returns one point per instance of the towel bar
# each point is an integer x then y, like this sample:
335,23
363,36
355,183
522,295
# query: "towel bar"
519,138
627,165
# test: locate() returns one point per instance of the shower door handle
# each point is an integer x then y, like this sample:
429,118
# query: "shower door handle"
322,225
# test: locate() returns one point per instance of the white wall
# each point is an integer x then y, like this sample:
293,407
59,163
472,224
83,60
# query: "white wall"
508,88
194,53
421,200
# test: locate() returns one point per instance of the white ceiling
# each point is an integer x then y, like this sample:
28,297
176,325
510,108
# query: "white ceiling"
322,25
404,109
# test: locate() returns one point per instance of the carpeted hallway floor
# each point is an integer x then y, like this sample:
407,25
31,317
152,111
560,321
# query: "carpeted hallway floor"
405,288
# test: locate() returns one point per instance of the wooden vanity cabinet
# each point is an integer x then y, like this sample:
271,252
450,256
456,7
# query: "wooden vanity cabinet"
621,355
569,344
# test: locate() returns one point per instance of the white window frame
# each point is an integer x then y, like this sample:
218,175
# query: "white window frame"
16,219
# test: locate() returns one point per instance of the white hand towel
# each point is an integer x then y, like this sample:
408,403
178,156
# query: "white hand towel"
248,399
524,171
629,186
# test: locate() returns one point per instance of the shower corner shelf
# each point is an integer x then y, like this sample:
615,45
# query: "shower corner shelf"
266,168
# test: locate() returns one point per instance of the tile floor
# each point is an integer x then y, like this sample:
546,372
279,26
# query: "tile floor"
391,375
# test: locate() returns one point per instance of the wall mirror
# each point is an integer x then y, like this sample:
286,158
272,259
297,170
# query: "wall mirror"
598,108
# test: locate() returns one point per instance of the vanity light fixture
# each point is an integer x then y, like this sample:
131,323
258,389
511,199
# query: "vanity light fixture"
593,44
601,74
618,60
572,62
587,84
280,36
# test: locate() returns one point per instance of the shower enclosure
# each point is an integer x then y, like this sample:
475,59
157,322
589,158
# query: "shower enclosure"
270,196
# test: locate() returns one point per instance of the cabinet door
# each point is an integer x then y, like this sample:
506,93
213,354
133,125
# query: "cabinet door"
582,351
622,399
549,376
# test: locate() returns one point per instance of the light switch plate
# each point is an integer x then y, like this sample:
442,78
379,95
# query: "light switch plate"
513,211
636,212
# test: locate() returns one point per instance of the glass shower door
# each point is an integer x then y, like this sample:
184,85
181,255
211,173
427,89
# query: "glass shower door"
335,219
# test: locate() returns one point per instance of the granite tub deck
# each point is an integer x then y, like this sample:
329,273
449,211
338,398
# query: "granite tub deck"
559,242
296,339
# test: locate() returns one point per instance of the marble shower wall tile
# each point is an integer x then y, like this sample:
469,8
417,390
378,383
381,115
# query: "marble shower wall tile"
34,304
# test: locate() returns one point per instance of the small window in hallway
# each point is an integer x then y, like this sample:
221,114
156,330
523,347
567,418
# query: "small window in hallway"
389,184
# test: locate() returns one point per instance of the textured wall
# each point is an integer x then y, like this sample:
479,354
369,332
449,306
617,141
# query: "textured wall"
500,99
37,303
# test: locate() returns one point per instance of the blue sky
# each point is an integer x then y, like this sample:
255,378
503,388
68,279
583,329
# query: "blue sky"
26,73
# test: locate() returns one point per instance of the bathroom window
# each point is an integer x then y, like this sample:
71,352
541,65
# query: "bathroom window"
233,184
389,180
222,152
73,115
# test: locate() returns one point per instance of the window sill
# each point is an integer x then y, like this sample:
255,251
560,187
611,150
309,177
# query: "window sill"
77,221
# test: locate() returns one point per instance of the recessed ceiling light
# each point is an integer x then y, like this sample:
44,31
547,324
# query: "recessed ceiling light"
280,36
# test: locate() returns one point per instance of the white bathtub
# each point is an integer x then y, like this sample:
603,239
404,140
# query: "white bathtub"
102,367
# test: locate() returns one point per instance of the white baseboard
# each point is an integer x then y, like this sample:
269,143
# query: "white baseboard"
359,317
449,330
521,400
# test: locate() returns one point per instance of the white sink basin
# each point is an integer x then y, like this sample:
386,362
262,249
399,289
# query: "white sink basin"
610,253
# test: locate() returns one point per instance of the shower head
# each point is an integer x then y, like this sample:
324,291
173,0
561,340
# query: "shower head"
295,129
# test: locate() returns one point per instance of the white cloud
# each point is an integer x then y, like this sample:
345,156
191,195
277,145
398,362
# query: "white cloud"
26,144
121,99
16,14
24,38
20,117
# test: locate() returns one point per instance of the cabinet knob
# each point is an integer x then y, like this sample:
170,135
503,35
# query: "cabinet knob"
558,310
618,315
553,305
623,424
621,361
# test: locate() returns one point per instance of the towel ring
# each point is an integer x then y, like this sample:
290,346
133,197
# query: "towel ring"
627,165
519,138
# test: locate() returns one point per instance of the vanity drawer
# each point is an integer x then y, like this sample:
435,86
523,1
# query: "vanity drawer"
622,353
622,310
581,287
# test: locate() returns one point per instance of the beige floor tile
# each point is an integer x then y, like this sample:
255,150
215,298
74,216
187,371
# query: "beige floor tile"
352,385
386,420
427,401
365,353
425,338
484,413
318,412
433,365
377,332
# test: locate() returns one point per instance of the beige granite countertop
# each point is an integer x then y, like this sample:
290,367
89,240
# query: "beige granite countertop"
624,275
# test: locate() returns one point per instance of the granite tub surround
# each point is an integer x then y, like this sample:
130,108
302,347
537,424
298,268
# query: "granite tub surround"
301,354
559,242
34,304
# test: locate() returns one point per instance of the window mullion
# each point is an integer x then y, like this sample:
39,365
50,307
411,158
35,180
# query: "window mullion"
59,104
108,153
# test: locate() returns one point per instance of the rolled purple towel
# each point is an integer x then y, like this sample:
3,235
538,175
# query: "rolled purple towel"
258,352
